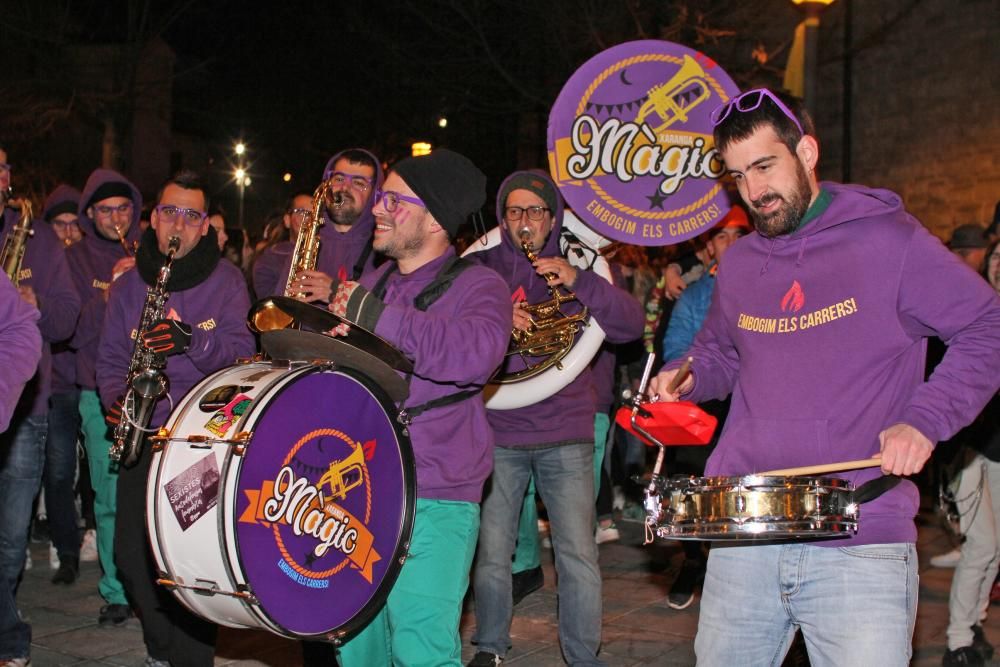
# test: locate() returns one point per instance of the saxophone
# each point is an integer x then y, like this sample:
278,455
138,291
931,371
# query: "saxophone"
552,332
268,316
146,382
13,247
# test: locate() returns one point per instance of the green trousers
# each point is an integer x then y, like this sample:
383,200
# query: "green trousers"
528,554
104,480
418,625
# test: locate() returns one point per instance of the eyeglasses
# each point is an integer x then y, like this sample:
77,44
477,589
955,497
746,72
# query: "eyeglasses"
390,200
749,101
535,213
300,213
359,183
107,211
65,224
170,213
4,166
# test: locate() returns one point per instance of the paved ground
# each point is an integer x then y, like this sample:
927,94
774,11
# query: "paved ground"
639,628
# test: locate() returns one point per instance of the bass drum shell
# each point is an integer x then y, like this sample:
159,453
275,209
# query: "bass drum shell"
758,507
513,395
300,529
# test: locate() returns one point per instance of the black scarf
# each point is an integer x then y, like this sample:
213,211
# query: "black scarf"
190,270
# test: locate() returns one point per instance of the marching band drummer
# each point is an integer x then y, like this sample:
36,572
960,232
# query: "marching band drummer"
452,319
345,240
552,440
818,327
203,329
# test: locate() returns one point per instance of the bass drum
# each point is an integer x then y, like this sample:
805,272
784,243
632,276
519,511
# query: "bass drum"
581,246
281,497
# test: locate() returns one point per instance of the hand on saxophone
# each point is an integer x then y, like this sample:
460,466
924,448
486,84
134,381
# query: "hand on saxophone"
556,270
114,414
121,266
315,285
522,319
167,337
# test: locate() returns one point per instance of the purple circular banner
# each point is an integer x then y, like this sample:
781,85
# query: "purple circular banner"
630,142
322,503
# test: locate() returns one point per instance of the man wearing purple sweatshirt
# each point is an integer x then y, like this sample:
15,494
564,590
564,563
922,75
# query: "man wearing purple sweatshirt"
345,239
20,347
817,327
456,335
108,212
44,283
268,265
551,441
203,329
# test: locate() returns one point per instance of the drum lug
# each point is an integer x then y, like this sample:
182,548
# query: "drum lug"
159,440
240,442
406,553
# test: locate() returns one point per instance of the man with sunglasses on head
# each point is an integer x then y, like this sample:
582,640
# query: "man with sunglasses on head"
345,238
108,212
818,327
44,283
452,320
202,330
551,441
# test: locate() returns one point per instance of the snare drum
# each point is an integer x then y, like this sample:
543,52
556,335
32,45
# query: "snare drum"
755,507
282,498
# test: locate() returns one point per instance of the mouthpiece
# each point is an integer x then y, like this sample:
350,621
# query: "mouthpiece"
337,198
525,233
173,244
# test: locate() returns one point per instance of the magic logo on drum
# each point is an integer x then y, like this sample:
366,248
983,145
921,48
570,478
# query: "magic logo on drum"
320,498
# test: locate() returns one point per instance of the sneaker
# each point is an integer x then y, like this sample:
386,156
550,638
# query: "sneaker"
963,657
88,548
150,661
68,571
27,559
606,534
114,614
681,593
53,557
484,659
980,644
949,559
525,583
15,662
617,498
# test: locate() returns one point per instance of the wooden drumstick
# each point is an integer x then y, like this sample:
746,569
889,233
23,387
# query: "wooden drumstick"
826,467
682,372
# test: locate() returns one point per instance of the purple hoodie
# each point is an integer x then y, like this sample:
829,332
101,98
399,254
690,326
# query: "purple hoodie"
44,269
63,357
216,309
455,345
568,416
820,336
91,261
270,269
339,252
20,347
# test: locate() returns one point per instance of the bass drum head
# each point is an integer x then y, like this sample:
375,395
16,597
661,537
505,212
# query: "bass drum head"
325,495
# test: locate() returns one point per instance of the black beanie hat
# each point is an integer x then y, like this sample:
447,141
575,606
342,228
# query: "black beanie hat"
67,206
451,187
533,182
110,189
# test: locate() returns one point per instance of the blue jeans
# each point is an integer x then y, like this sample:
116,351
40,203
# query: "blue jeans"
854,605
564,476
60,472
22,455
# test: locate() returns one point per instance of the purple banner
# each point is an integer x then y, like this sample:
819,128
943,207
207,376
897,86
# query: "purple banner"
321,503
630,143
195,491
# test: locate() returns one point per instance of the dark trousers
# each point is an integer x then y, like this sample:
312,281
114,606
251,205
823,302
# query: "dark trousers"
171,632
60,472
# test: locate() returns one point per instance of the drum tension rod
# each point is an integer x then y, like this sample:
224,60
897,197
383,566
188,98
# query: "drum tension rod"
209,588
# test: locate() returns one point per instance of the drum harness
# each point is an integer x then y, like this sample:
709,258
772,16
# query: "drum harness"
451,269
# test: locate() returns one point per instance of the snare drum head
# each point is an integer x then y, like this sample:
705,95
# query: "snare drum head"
324,503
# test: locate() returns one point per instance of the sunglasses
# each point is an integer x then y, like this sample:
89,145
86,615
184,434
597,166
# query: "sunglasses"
749,101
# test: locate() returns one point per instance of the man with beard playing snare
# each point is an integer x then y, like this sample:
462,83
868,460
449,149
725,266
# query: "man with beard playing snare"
818,328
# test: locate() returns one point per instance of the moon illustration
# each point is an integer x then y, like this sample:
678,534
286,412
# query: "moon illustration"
624,80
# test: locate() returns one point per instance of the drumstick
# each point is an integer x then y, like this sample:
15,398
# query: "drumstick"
682,373
826,467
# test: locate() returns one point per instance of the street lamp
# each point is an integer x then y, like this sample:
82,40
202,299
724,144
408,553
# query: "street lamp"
242,180
812,8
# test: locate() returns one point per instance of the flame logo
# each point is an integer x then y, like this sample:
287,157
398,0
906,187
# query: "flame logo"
794,298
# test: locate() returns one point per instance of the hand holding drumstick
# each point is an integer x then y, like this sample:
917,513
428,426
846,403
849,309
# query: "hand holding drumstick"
670,384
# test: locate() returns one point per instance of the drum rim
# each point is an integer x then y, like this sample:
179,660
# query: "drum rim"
394,566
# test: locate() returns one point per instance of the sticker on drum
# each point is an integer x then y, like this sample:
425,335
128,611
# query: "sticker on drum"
323,505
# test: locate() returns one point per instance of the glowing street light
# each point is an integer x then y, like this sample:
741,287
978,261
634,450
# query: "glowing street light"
241,177
287,178
419,148
442,122
240,148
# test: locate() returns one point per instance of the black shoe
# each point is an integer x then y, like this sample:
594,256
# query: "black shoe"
963,657
484,659
681,593
525,583
980,644
114,614
69,570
